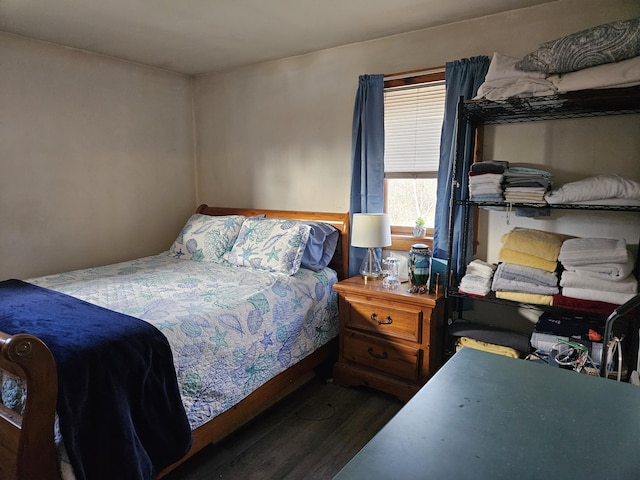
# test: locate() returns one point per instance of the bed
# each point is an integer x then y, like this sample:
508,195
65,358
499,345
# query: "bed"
28,448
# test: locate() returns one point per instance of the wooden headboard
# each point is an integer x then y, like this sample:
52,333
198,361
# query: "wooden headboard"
340,260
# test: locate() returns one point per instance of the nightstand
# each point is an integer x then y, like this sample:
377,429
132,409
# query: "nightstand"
390,340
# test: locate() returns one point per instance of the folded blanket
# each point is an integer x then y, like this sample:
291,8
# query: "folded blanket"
598,295
518,258
492,178
515,171
485,189
524,198
520,87
595,188
590,251
616,202
486,347
520,283
538,243
582,305
521,189
120,411
520,273
487,197
528,181
493,166
502,285
605,271
503,81
625,73
577,280
531,298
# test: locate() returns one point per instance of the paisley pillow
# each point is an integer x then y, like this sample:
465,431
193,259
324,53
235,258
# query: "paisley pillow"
611,42
276,245
207,239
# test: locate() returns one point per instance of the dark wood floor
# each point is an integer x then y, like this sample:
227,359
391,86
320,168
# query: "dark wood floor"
310,435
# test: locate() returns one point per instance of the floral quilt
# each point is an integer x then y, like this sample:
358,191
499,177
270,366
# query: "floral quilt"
230,328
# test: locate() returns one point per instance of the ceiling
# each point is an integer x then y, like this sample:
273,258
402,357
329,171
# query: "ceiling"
197,36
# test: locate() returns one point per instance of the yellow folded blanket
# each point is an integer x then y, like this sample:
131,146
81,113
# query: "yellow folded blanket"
486,347
542,244
518,258
533,298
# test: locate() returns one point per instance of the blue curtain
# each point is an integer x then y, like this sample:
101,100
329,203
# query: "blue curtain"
367,155
463,77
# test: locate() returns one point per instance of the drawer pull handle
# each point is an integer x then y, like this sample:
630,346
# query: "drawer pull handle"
382,356
387,321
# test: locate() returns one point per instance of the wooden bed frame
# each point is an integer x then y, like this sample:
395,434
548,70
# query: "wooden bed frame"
27,449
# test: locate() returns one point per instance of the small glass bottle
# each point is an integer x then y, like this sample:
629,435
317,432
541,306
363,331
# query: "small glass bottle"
392,266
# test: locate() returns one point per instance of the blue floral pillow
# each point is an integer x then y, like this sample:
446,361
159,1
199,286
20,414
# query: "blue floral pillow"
276,245
207,239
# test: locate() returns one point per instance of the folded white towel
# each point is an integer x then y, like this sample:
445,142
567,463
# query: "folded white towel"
475,285
588,251
574,279
481,268
605,271
477,279
598,295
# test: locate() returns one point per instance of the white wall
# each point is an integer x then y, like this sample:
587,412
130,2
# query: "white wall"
278,134
97,160
97,154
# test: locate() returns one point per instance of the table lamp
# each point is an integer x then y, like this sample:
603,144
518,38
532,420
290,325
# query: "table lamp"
370,230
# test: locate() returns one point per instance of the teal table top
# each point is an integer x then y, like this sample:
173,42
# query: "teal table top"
485,416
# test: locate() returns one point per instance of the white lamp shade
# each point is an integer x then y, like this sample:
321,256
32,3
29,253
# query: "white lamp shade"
370,230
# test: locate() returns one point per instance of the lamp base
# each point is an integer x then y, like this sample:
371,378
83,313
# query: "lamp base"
370,268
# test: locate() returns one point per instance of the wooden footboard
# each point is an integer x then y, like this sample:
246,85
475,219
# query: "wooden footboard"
27,449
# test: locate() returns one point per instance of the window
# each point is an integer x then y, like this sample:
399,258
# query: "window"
414,110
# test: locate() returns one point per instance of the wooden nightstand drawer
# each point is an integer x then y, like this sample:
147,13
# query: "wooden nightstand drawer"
398,360
390,339
400,321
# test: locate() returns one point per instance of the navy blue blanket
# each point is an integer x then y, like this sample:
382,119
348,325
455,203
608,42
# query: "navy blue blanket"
119,406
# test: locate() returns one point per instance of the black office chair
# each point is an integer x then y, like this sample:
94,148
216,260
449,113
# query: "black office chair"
619,312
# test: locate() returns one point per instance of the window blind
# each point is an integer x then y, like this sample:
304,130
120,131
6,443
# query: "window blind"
413,124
